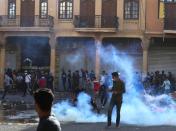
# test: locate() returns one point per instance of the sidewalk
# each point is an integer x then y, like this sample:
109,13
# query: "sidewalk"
14,97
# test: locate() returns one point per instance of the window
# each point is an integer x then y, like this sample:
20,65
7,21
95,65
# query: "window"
65,9
12,9
131,9
43,9
161,7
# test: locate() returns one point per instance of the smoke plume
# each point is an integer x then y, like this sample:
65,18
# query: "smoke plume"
138,108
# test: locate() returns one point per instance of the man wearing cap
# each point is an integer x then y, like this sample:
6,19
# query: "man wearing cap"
116,100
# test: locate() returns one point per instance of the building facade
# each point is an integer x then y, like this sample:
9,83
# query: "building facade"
51,33
160,30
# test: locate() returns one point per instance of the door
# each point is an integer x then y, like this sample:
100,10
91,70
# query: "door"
162,56
87,13
170,16
109,13
27,13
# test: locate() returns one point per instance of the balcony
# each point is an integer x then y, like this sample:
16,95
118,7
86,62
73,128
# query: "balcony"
96,23
16,23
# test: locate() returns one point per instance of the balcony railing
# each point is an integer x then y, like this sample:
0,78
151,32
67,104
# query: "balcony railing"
97,21
170,23
16,22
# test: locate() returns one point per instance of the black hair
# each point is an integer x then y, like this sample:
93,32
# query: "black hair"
115,74
44,99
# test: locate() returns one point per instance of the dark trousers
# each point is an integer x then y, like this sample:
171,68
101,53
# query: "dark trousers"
27,88
94,105
104,98
117,103
50,86
6,89
69,84
64,84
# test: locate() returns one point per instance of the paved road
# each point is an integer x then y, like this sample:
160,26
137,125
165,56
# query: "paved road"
74,126
86,127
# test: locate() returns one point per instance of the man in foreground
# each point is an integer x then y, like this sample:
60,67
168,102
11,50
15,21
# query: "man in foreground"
116,100
43,103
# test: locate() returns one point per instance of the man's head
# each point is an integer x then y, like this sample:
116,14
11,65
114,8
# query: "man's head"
43,100
115,75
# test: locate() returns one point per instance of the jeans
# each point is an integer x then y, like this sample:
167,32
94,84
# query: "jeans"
114,102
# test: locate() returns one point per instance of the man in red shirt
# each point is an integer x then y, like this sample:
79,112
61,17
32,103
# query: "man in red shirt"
42,82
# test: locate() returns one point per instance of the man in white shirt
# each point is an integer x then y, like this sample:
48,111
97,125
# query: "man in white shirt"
27,83
166,85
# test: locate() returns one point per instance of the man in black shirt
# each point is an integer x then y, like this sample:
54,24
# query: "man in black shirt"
43,102
50,80
116,100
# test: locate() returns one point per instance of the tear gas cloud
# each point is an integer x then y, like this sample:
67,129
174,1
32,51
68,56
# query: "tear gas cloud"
137,108
80,113
73,59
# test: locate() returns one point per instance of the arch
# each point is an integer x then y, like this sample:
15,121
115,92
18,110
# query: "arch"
37,49
130,47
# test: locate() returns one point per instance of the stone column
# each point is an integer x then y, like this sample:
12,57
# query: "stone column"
3,7
145,46
52,43
120,10
37,7
98,43
98,13
2,61
76,7
52,7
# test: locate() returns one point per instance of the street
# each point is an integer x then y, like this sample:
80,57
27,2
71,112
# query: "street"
86,127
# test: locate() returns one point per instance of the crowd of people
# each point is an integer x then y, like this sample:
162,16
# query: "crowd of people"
159,83
154,83
78,81
26,81
83,81
44,97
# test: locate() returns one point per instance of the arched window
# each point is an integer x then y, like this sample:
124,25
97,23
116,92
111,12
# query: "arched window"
43,9
131,9
11,9
65,8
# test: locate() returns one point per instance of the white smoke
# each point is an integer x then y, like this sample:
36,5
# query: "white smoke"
138,108
75,58
82,112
